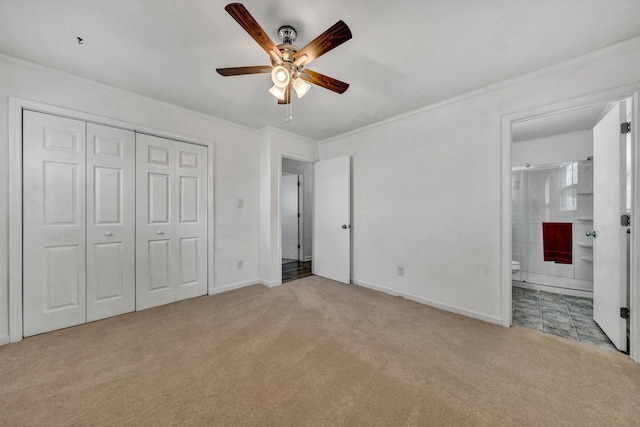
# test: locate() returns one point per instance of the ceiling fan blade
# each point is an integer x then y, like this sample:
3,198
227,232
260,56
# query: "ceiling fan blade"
251,26
287,96
239,71
330,39
324,81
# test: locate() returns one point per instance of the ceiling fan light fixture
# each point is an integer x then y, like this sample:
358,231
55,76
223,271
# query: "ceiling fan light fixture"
280,76
299,61
275,56
301,87
278,92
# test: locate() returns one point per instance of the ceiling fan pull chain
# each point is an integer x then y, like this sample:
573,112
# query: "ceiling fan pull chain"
290,109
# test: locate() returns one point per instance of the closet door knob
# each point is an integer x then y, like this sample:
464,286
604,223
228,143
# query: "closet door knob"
159,232
108,234
591,233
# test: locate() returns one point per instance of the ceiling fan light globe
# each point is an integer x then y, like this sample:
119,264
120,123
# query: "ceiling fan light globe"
280,76
299,61
278,92
301,87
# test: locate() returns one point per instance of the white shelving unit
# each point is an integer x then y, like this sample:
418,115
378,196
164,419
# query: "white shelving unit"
582,244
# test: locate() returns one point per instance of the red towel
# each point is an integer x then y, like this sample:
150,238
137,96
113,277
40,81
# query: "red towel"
557,242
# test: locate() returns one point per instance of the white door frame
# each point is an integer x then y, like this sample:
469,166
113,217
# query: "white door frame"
300,158
16,105
633,92
301,206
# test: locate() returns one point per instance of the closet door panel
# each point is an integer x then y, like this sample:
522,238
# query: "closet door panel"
191,225
171,221
53,223
155,174
110,221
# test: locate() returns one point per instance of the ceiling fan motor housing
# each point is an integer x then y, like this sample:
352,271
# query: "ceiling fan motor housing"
288,34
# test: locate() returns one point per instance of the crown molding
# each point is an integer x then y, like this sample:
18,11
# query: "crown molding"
583,60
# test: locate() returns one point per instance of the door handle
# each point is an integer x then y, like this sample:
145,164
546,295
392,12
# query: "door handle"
591,233
108,234
159,232
345,226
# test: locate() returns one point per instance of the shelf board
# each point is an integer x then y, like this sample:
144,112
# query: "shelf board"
585,219
586,258
585,245
585,193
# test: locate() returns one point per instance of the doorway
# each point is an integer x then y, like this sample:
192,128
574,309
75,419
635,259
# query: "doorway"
296,217
557,165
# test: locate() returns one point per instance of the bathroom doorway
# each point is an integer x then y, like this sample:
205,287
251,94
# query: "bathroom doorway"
296,219
562,242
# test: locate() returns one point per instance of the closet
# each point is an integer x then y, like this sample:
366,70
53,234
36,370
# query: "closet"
113,221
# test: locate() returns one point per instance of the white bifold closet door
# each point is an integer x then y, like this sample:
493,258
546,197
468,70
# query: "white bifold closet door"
110,221
78,222
54,268
171,226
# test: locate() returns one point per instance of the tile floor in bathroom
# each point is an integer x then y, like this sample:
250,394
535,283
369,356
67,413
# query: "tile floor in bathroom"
562,315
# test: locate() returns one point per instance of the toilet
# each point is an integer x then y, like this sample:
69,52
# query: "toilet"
515,267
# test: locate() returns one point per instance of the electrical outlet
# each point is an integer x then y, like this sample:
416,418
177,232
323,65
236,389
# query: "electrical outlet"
240,265
400,271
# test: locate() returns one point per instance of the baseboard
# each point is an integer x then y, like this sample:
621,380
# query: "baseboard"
553,289
452,308
233,286
4,339
560,282
270,284
307,258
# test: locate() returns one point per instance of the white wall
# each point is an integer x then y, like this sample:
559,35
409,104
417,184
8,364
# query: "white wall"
273,145
568,146
306,169
234,149
427,185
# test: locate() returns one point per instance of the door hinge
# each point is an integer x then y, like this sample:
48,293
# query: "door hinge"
298,183
298,246
625,220
625,128
298,214
624,312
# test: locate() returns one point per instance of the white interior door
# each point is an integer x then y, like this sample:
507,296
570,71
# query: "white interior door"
289,216
110,221
171,221
609,244
332,217
191,222
53,223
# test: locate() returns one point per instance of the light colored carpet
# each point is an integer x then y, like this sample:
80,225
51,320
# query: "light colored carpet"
310,352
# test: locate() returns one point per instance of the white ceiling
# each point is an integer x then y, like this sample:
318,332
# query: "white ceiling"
569,121
404,54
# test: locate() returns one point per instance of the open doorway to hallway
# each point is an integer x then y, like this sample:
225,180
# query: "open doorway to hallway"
570,193
296,210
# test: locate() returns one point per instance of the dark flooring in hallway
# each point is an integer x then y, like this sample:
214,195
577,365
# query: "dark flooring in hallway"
294,270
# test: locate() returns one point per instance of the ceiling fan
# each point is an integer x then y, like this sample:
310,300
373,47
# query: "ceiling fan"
288,62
